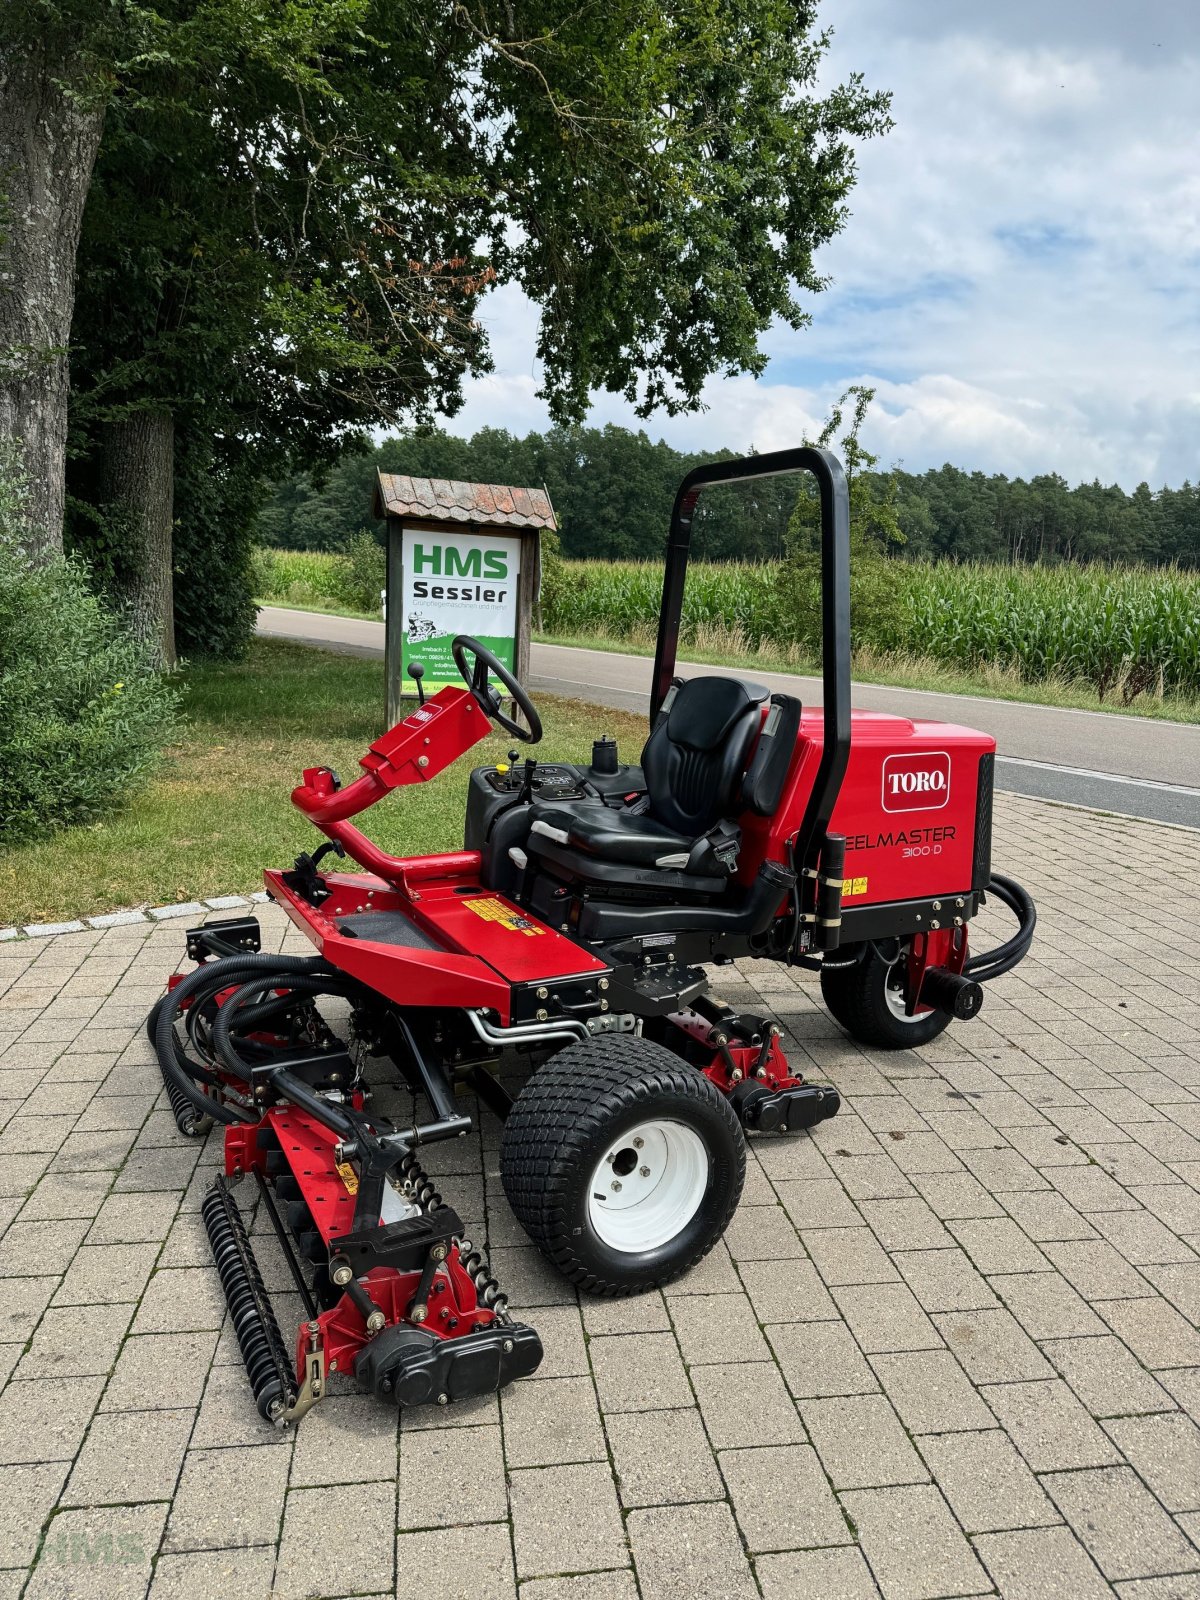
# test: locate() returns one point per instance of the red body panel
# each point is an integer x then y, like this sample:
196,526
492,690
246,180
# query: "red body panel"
906,807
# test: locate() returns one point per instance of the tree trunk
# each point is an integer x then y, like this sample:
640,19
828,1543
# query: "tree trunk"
138,486
48,144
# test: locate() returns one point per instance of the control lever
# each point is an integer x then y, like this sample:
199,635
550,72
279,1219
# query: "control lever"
416,672
526,794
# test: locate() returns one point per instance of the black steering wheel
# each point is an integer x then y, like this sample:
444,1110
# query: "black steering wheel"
478,681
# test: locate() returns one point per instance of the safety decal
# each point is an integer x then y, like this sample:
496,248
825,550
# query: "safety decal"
852,887
509,917
348,1176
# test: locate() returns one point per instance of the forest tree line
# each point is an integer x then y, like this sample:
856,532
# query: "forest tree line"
612,489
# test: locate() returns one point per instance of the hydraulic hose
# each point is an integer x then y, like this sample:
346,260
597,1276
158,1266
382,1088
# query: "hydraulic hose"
183,1078
992,963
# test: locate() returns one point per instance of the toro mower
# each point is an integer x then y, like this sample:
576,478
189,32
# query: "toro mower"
577,923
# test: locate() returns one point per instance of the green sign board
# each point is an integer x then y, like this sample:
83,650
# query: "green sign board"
457,583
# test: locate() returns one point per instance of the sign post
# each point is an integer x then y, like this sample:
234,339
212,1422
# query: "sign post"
461,558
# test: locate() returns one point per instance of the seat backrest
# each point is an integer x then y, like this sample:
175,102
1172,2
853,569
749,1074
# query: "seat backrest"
694,759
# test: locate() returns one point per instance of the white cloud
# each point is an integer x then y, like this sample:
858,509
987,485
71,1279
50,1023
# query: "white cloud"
1020,275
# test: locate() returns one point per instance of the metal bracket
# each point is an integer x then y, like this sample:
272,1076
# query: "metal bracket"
311,1390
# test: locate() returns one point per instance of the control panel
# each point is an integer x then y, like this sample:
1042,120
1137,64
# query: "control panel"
549,782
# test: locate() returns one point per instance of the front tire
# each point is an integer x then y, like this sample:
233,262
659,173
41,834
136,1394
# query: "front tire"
623,1164
867,999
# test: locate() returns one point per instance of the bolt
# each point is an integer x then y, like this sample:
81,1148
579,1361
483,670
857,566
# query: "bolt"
342,1273
736,1075
644,1172
960,902
604,1005
958,922
507,1347
761,1072
603,983
443,1400
638,1142
937,905
934,923
783,1127
418,1313
439,1252
610,1158
375,1322
422,761
543,1014
616,1186
543,992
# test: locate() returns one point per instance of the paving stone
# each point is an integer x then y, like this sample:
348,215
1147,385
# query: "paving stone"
905,1225
790,1293
1106,1376
819,1359
1123,1527
444,1471
1154,1331
228,1497
992,1346
27,1495
561,1330
203,1574
762,1233
639,1372
46,1418
987,1484
717,1328
103,1552
315,1562
861,1442
1141,1238
838,1574
886,1316
1184,1587
662,1458
1180,1283
997,1244
75,1340
566,1519
746,1403
134,1218
485,1571
160,1371
913,1543
1045,1305
643,1313
781,1498
129,1455
1176,1204
848,1255
1165,1451
548,1421
944,1280
107,1274
818,1203
1096,1269
690,1553
931,1392
1041,1564
1091,1190
348,1438
1050,1427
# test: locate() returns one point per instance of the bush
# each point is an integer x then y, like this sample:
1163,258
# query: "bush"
83,717
360,573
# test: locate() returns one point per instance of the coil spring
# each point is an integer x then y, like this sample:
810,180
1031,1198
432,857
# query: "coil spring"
478,1268
254,1321
419,1184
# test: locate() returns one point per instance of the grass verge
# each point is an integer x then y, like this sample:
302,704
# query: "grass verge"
221,809
904,672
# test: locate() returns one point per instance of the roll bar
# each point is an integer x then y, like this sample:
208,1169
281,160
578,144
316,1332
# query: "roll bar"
835,611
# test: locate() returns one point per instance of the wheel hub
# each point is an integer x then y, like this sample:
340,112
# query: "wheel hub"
648,1185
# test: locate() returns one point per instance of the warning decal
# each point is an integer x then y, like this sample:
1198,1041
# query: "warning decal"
492,910
348,1176
852,887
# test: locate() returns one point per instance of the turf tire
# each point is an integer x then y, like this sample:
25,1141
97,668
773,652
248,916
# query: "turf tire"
856,998
567,1116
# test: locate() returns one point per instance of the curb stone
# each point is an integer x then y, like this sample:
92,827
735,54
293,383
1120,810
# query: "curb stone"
122,919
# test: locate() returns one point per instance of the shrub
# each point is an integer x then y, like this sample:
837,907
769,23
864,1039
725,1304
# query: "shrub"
83,717
360,573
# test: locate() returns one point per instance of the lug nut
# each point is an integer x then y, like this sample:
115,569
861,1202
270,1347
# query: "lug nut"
616,1186
638,1142
644,1172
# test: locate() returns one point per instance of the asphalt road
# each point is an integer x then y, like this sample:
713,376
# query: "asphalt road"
1128,765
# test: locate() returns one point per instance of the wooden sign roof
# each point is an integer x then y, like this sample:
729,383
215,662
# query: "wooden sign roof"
478,505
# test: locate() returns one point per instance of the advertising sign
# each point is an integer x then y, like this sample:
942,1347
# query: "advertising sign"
457,583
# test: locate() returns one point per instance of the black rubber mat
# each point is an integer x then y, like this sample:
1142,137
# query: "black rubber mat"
387,927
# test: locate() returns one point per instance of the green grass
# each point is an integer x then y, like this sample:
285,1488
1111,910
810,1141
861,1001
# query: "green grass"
906,672
221,809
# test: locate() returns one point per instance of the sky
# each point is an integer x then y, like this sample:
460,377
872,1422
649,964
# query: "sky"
1020,275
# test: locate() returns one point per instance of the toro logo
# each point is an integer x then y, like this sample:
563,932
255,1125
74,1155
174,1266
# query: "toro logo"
916,782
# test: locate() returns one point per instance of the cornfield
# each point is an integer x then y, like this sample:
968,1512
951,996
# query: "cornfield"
1126,630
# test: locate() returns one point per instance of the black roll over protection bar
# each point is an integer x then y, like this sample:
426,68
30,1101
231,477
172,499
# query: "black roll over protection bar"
812,840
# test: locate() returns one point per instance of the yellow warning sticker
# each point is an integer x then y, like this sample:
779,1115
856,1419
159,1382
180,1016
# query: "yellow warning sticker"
852,887
493,910
348,1176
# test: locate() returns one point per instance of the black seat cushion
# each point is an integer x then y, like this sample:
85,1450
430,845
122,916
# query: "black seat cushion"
639,841
694,759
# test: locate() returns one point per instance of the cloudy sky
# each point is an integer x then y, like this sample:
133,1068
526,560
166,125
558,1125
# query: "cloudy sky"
1020,278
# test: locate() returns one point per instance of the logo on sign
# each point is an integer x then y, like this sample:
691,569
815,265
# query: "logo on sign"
916,782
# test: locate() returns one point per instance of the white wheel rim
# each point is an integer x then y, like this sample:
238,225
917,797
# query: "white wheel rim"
648,1186
894,998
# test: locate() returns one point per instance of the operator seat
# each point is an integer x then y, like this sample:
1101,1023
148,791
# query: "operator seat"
699,774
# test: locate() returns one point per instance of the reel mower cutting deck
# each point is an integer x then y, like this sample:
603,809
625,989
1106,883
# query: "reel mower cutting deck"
576,924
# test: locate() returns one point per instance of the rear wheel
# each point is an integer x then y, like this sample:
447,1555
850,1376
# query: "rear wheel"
867,999
623,1164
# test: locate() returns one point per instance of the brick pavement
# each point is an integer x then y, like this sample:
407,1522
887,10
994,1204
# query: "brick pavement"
948,1347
